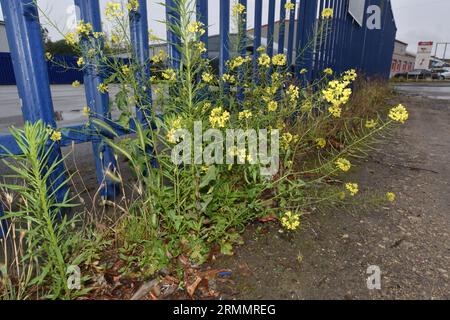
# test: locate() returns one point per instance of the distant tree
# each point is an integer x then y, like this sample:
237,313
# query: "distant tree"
59,47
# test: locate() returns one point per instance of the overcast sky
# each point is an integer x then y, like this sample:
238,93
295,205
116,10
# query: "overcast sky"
417,20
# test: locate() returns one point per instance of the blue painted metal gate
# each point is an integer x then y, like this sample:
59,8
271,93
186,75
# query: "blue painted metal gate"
348,46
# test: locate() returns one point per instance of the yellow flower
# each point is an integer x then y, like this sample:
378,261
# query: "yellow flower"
236,62
84,28
103,88
201,47
56,136
272,106
113,10
48,56
133,5
290,221
238,9
161,56
327,13
196,27
264,60
293,93
287,138
80,61
228,78
399,114
303,71
353,188
207,77
246,114
261,49
169,74
279,60
76,84
218,118
86,111
289,6
350,75
306,106
370,124
337,94
390,196
115,38
321,143
343,164
97,35
71,38
328,71
171,136
126,70
335,111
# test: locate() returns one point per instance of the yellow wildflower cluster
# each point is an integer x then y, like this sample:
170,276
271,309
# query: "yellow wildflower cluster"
175,125
71,38
48,56
84,29
337,94
238,9
390,196
303,71
321,143
196,27
399,114
56,136
76,84
246,114
287,139
306,106
161,56
290,221
327,13
264,60
126,70
80,61
133,5
228,78
113,10
272,106
328,71
289,5
240,153
207,77
350,75
238,61
353,188
276,77
279,60
370,124
343,164
201,47
86,111
169,75
103,88
218,117
293,93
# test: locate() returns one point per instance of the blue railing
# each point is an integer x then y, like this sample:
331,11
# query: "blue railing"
348,45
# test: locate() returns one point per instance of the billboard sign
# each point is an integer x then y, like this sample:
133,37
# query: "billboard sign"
423,55
356,10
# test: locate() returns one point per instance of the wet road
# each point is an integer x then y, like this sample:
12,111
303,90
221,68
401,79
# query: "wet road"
439,91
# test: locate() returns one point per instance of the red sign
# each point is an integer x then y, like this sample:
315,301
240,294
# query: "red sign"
430,43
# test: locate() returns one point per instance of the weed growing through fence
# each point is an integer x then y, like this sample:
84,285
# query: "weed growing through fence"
175,212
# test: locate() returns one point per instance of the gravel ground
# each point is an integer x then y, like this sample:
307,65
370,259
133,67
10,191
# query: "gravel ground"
409,241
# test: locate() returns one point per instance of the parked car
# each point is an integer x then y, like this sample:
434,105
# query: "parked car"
438,73
415,74
444,75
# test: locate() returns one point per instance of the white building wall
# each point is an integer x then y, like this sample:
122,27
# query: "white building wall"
3,40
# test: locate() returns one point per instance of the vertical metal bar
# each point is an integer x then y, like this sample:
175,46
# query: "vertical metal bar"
243,48
306,37
271,27
257,38
30,69
290,46
3,223
224,53
282,26
202,16
139,41
97,101
318,45
174,41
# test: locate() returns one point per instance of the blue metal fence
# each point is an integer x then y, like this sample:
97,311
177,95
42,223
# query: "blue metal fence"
348,45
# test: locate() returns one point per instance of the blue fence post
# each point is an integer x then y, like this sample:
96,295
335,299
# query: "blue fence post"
30,69
290,46
257,38
224,30
174,41
271,27
97,101
3,223
282,26
243,48
139,40
202,16
306,34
